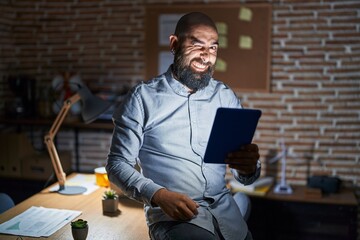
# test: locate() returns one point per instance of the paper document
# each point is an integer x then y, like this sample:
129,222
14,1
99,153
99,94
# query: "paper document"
259,183
259,188
38,222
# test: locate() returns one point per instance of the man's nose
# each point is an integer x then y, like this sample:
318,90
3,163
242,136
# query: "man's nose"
205,55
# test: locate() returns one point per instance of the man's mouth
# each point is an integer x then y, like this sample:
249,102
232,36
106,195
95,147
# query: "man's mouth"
199,67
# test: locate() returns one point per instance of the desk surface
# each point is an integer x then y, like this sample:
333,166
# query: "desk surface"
128,224
345,196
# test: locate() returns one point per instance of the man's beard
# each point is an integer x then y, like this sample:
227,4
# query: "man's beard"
193,80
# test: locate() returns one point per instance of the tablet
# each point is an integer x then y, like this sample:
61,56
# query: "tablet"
231,129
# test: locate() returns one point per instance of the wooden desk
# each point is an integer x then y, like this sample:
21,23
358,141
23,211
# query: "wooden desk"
299,217
129,224
345,196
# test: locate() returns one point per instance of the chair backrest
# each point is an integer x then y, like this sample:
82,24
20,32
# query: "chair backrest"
244,204
6,202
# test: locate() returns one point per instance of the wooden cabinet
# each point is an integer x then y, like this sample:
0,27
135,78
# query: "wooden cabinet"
298,217
20,160
17,127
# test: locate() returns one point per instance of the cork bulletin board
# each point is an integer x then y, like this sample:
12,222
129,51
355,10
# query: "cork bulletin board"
243,60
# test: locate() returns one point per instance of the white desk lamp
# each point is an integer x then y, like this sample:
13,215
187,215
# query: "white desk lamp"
92,107
282,187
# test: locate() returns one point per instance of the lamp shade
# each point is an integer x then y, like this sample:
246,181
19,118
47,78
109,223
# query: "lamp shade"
92,106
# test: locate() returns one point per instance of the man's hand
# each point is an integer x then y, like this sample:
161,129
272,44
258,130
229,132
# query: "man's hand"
176,205
244,160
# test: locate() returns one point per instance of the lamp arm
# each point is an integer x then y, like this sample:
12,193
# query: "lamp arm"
49,139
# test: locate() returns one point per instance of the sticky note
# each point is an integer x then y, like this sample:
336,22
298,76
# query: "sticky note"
245,42
245,14
223,41
222,28
220,65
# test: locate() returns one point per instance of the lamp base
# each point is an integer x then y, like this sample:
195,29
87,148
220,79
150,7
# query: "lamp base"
72,190
283,189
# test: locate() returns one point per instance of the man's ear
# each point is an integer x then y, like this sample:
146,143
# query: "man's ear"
173,42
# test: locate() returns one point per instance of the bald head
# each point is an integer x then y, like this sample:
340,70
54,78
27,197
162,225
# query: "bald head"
194,45
193,19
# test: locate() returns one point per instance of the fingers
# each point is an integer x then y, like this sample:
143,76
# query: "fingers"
176,205
189,209
193,206
245,159
249,151
242,157
185,212
244,169
250,147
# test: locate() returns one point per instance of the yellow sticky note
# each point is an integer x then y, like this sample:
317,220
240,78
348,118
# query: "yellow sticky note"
222,28
245,42
223,41
245,14
221,65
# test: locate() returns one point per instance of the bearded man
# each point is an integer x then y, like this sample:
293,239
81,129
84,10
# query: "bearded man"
163,125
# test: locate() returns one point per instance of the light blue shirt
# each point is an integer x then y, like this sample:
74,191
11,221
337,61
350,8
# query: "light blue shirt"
165,129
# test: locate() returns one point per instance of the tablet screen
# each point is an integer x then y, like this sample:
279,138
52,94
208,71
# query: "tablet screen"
231,129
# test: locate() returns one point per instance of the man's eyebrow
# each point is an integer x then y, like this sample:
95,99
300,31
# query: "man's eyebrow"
196,40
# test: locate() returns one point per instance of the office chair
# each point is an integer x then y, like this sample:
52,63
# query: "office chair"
244,204
6,202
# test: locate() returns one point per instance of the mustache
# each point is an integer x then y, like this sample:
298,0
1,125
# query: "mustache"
199,60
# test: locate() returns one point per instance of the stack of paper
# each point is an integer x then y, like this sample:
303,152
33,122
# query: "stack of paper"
38,222
260,187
